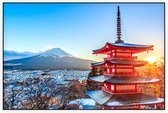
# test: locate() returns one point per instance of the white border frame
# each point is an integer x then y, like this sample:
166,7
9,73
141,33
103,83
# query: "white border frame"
71,111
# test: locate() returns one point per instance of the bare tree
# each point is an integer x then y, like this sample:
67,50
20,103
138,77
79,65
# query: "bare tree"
37,93
10,101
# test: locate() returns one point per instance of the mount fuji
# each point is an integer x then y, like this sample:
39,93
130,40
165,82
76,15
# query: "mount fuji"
55,53
54,58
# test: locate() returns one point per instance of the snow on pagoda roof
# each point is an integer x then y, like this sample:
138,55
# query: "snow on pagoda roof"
100,78
133,99
99,96
97,63
123,62
123,79
123,45
130,45
104,98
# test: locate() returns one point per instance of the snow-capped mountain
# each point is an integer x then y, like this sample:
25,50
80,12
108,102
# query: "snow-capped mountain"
55,53
54,58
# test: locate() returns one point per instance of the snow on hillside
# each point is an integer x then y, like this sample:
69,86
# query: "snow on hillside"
21,82
55,52
60,76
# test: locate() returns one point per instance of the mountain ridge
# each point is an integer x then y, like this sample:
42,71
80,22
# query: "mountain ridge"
54,58
10,54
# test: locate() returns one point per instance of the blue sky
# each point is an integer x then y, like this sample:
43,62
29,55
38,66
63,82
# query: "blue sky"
81,28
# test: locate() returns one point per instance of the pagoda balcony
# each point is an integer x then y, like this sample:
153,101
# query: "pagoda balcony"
118,73
121,57
124,73
121,91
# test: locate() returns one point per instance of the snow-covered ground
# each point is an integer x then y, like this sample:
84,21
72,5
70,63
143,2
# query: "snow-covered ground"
83,101
61,76
20,76
66,75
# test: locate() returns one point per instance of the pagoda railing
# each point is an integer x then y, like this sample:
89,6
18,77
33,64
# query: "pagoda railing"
119,73
121,57
121,92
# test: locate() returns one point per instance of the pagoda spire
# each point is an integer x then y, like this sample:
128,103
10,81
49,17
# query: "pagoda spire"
118,27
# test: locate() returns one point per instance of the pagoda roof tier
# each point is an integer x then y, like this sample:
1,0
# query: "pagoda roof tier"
105,98
123,79
136,63
136,48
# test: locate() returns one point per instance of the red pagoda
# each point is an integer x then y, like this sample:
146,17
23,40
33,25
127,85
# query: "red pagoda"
119,84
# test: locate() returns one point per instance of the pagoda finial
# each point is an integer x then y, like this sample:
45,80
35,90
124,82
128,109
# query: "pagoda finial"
118,27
